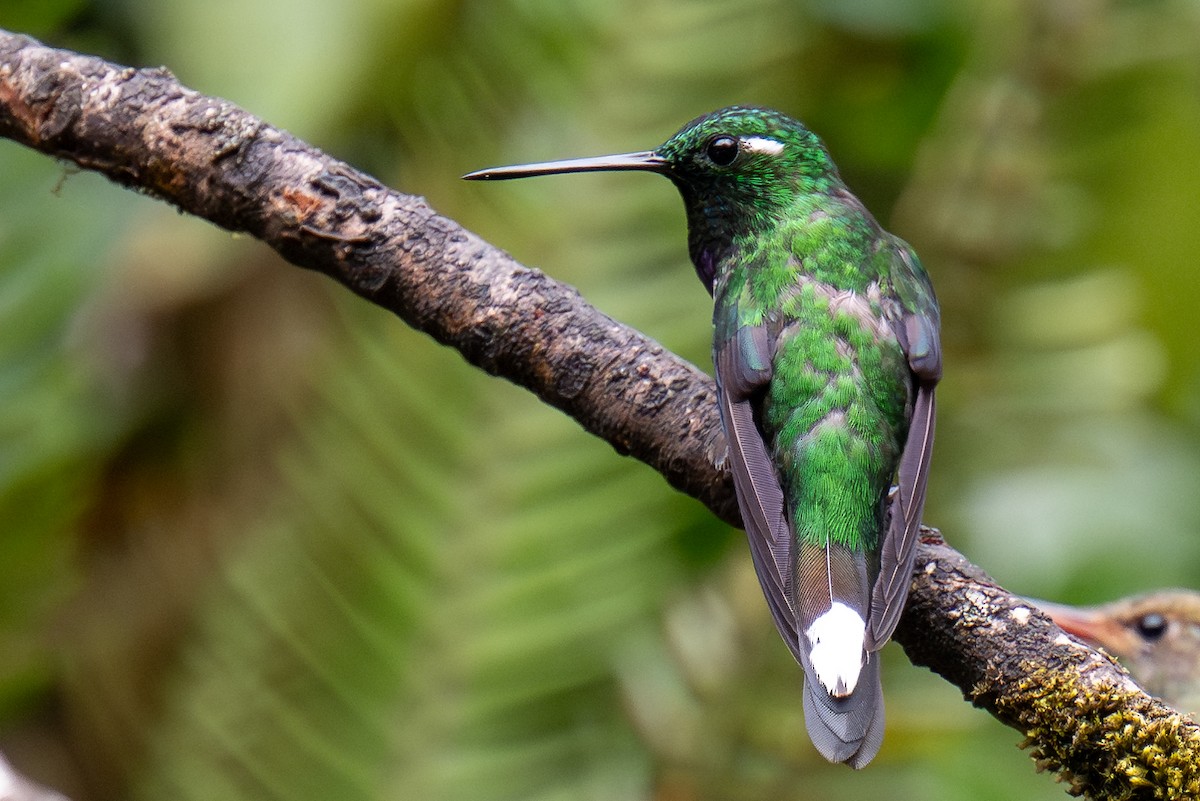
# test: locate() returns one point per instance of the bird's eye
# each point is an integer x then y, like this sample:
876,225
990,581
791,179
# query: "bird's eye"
1152,626
722,150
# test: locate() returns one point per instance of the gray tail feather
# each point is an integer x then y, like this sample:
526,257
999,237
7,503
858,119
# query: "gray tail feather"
847,729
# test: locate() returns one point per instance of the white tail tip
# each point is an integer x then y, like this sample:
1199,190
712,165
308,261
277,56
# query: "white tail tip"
836,648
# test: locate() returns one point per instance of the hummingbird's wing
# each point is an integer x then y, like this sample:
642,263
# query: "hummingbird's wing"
742,359
917,330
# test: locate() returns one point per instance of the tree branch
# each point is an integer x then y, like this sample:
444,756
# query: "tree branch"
1080,712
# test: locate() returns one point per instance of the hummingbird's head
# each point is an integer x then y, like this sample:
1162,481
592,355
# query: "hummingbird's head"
746,162
751,159
738,169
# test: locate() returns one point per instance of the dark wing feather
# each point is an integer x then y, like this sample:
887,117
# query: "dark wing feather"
743,366
917,330
900,542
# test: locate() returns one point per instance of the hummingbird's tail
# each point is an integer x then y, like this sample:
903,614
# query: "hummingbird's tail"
843,701
847,729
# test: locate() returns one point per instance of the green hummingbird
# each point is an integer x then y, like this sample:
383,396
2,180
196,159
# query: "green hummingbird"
1156,636
827,351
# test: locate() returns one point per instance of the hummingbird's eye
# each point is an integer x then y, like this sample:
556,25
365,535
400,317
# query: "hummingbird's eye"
722,150
1152,626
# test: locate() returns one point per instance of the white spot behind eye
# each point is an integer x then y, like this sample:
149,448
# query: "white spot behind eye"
760,144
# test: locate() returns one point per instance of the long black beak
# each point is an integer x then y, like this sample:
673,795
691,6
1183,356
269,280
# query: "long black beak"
648,161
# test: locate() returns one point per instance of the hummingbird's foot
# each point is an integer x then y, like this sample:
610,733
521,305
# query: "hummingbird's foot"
718,451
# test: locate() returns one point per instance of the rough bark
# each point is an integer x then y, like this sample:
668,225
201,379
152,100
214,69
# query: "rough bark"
1081,714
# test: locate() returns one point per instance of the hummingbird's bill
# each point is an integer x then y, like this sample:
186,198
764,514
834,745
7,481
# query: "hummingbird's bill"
647,161
1079,621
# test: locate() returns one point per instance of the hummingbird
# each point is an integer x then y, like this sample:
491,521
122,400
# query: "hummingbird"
826,350
1156,636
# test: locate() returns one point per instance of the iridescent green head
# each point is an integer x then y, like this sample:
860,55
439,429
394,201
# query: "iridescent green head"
737,168
753,159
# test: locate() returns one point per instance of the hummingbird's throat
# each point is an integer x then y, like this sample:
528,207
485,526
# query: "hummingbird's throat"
836,649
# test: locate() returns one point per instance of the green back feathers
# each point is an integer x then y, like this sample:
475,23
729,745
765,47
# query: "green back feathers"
835,415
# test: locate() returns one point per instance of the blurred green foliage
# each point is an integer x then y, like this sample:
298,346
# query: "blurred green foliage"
262,541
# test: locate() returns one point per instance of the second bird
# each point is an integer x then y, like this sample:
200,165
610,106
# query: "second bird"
826,347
